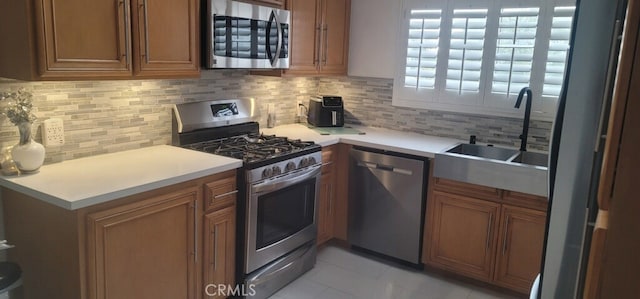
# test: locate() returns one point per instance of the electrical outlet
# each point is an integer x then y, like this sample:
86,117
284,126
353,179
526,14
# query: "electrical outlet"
53,132
299,109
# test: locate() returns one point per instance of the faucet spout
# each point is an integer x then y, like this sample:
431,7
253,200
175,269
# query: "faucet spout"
527,116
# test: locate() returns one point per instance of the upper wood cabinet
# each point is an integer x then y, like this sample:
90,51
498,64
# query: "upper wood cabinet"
319,38
76,39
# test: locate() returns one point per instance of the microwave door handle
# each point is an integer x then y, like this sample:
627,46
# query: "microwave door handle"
272,58
280,40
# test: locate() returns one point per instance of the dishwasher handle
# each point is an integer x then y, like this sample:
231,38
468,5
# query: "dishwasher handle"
384,168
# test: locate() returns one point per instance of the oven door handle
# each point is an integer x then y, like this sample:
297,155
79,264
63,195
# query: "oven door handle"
283,182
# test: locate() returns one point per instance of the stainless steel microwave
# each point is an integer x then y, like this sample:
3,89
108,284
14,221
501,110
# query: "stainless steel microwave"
242,35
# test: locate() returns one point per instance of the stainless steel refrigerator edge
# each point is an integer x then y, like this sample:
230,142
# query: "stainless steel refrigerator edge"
574,161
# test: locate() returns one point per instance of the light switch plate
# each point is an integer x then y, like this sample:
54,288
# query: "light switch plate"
53,132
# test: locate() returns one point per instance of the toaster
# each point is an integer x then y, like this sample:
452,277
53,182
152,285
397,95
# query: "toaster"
326,111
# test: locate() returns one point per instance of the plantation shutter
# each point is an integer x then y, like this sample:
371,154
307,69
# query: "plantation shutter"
468,28
515,45
422,48
558,49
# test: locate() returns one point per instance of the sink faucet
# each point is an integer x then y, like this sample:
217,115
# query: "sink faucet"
527,114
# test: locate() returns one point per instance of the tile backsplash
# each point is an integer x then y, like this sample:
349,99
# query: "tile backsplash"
368,101
109,116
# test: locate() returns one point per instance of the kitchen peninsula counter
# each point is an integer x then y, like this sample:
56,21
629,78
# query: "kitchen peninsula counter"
84,182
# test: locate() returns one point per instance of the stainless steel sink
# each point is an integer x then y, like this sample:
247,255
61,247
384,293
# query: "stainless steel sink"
531,158
483,151
497,167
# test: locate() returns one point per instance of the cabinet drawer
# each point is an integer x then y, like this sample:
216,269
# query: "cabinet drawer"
525,200
466,189
220,193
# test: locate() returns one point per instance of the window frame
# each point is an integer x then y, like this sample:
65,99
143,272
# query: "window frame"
485,102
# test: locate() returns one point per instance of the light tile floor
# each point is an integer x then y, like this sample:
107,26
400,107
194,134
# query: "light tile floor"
342,274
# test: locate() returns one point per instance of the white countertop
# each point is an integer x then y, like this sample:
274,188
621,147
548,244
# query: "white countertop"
92,180
384,139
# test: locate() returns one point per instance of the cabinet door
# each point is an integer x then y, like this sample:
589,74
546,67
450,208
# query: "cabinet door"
80,38
165,34
304,36
326,206
146,249
463,235
335,37
519,247
328,195
219,250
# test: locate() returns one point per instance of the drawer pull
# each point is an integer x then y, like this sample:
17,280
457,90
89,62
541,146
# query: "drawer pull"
225,194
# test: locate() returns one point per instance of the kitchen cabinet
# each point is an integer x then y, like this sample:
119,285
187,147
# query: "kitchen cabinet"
327,197
519,250
54,40
319,37
169,242
463,238
485,233
220,233
145,249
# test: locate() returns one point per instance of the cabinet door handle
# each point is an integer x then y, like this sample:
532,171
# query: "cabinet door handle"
146,30
489,229
195,231
225,194
329,206
214,236
326,42
316,60
125,18
504,236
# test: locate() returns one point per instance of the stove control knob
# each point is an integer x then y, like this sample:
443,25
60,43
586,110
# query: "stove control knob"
304,162
290,167
312,161
267,173
276,170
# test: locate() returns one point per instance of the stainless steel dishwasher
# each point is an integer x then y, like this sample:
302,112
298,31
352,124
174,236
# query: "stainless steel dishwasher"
387,195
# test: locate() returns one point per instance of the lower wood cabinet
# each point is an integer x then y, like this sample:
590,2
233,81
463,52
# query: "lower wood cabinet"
219,234
463,234
219,250
163,243
519,247
327,196
494,236
144,249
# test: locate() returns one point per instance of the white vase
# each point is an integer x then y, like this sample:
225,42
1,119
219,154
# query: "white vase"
27,154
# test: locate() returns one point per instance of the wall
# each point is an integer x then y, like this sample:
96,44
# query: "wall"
368,102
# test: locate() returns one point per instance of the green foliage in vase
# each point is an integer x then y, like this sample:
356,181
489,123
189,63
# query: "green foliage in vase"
17,106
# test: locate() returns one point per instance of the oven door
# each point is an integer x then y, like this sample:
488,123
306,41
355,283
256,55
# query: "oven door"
242,35
280,216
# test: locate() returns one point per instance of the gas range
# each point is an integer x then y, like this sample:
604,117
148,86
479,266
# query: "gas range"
278,189
264,156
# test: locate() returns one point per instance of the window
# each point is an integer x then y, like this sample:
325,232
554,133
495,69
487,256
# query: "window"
468,28
475,56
